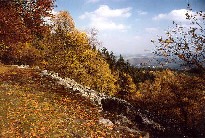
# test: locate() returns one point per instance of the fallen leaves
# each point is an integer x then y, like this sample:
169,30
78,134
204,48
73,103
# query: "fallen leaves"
32,106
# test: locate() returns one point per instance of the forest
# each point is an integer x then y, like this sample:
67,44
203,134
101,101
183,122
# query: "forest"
31,35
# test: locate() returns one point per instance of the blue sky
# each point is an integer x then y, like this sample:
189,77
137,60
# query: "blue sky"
127,26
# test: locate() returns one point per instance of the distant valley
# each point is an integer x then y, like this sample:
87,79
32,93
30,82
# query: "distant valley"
150,60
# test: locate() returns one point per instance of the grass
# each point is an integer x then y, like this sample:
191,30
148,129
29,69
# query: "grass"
32,106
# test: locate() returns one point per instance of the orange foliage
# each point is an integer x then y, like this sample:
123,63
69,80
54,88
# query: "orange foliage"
22,20
174,96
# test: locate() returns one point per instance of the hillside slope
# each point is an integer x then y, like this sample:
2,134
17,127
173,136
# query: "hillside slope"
32,105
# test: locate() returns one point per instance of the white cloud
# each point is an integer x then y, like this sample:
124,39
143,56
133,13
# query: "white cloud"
108,25
179,16
105,11
175,15
103,18
141,12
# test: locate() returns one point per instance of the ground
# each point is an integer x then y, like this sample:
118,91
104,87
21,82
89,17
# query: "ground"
35,106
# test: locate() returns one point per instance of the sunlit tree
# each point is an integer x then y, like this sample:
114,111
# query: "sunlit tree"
71,54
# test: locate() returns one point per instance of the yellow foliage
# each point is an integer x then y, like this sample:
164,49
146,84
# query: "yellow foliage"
77,39
72,56
128,83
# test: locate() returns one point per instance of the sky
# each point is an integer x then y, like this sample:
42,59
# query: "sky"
127,26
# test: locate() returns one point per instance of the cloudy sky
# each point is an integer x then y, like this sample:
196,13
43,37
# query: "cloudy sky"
127,26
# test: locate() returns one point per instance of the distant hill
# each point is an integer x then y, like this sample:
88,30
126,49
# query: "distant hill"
150,60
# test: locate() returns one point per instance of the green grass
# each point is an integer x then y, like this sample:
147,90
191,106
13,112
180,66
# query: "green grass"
32,106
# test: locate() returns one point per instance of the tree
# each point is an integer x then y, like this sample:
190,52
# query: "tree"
71,54
109,57
93,40
63,22
21,20
185,42
122,65
176,101
126,86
